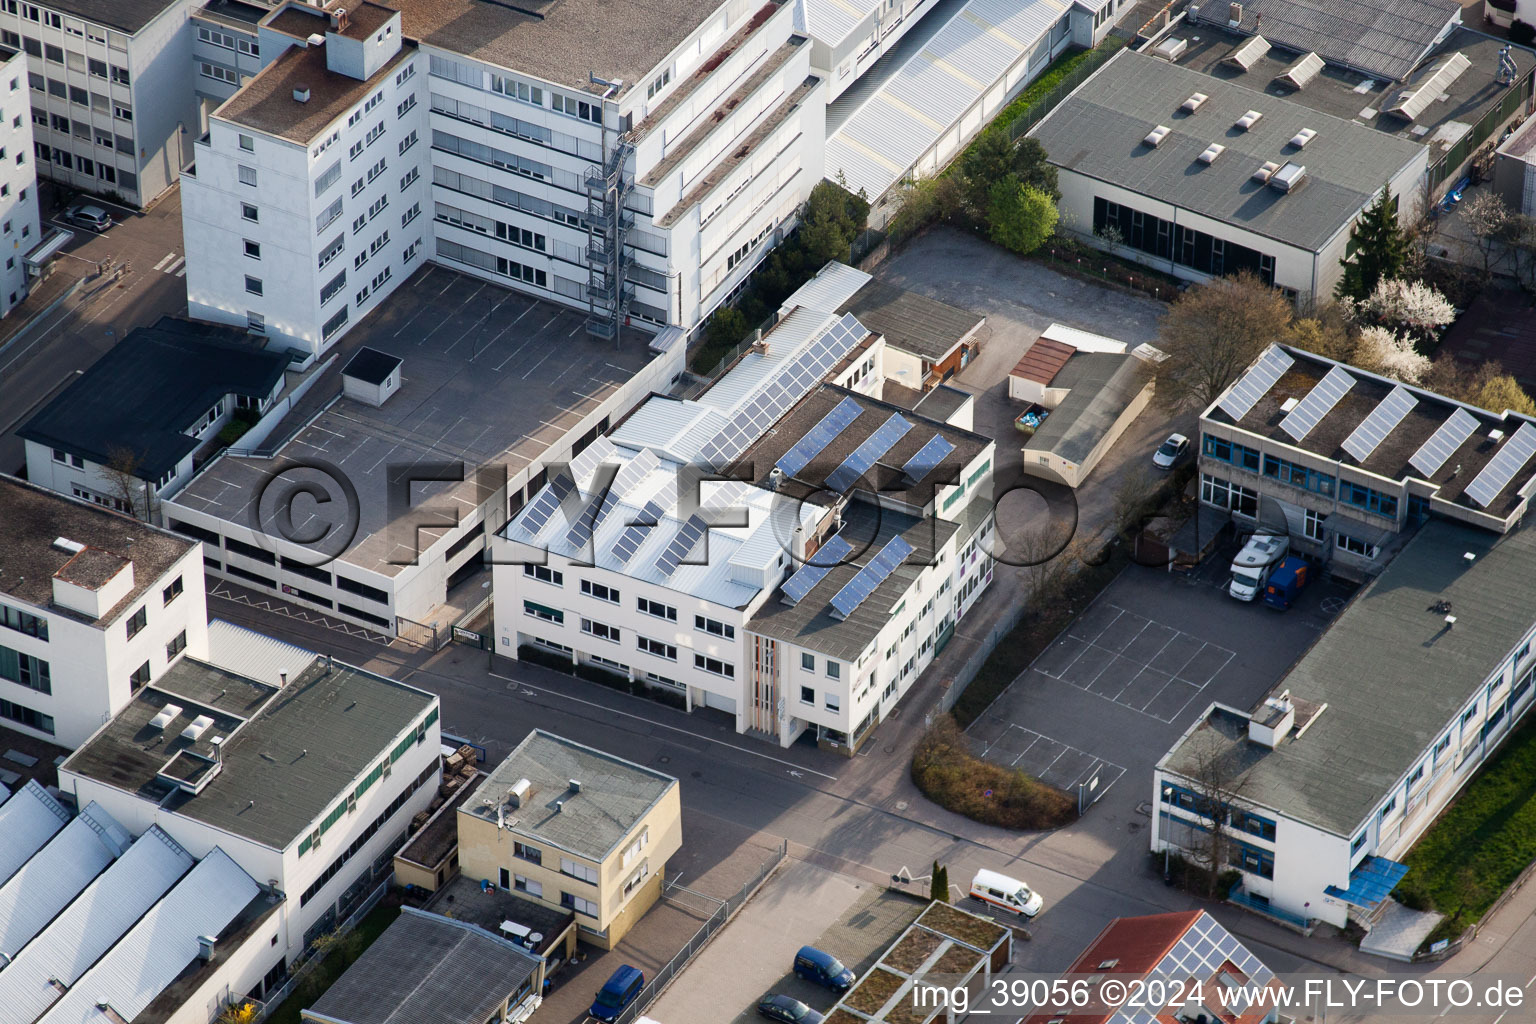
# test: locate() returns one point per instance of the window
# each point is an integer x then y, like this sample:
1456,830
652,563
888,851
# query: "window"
255,322
253,249
714,666
328,216
807,695
833,702
659,84
532,888
1358,844
532,854
661,611
635,880
573,107
834,670
172,592
137,621
544,574
253,285
177,645
23,622
540,611
576,870
1357,547
576,903
25,669
333,287
327,178
333,250
122,111
715,627
407,142
517,90
26,716
250,213
139,678
1416,776
247,143
1312,525
247,175
808,661
1388,808
599,592
601,630
656,647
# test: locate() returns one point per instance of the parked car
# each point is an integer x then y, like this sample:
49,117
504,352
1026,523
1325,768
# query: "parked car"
1170,451
617,993
93,217
788,1010
1008,893
823,968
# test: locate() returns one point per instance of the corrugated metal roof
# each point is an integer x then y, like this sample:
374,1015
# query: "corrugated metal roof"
876,146
90,925
830,290
254,655
1083,341
1385,38
756,369
830,21
1043,360
55,876
161,945
27,820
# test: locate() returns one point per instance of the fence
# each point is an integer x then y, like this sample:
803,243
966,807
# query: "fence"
1074,78
310,959
978,658
723,913
428,637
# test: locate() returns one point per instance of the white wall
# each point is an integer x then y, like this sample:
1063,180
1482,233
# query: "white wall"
18,207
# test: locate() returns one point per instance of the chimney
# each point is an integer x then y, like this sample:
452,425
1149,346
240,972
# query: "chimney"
575,785
301,93
559,806
342,20
282,678
775,478
1234,15
205,945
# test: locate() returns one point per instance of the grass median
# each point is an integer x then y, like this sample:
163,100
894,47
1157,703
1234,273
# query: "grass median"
949,774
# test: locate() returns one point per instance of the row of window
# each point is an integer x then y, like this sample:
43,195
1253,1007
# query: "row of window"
23,622
31,672
1164,239
84,130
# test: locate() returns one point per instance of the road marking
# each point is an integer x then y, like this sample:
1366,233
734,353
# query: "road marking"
660,725
164,260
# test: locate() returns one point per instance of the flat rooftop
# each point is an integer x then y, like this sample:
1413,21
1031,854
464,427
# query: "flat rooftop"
125,15
34,518
490,377
440,835
234,11
463,897
287,754
1357,97
1098,131
266,103
1392,454
1389,648
615,794
1101,386
913,323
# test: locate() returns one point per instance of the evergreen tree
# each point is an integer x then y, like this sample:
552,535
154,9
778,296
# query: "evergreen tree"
1377,249
987,162
938,884
1020,217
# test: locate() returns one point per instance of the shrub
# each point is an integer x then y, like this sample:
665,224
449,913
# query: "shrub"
1522,34
949,774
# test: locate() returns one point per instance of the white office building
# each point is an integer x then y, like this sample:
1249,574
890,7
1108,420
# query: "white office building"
20,228
94,606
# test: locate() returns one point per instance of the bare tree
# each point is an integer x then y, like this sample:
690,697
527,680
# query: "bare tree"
1520,235
1213,333
1132,500
1217,780
122,473
1487,217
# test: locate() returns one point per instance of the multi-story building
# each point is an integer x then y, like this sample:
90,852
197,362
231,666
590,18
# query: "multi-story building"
304,771
111,110
1349,463
635,172
94,606
20,228
1323,786
571,827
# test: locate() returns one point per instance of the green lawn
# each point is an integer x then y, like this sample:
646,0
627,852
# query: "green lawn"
334,965
1482,841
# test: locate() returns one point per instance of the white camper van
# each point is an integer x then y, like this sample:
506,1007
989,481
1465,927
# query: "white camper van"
1006,893
1253,564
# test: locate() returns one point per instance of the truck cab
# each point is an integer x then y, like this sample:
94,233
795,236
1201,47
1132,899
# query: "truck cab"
1253,565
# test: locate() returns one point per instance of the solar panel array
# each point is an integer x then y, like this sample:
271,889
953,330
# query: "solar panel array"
858,589
1443,442
819,436
868,453
1199,954
687,536
1373,430
815,569
1247,392
784,389
629,541
1309,412
548,500
930,455
1501,469
627,479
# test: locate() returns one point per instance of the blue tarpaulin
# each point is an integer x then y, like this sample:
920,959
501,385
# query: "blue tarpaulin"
1371,882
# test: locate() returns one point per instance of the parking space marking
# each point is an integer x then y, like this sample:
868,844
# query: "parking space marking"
1041,757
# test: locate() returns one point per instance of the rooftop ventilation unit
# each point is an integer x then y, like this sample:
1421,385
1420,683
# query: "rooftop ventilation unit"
1247,54
1288,178
1170,49
301,94
1289,404
1212,151
1303,71
69,547
1262,174
166,716
1248,120
195,730
1156,136
1192,104
1495,436
1301,138
519,793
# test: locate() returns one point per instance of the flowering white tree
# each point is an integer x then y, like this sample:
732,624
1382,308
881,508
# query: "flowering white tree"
1391,354
1410,306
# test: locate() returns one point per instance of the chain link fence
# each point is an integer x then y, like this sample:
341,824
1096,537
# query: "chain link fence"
1037,110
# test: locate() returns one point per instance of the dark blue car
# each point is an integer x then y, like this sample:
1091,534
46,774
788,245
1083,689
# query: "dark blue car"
822,968
617,993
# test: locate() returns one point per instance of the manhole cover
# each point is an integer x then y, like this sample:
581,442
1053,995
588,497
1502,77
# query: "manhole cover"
901,805
664,759
891,749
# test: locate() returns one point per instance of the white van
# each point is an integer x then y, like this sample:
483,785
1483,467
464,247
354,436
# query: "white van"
1254,563
1007,893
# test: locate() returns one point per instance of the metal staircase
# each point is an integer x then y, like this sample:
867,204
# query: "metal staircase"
608,294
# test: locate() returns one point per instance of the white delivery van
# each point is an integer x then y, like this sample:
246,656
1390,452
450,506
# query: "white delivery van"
1254,563
1007,893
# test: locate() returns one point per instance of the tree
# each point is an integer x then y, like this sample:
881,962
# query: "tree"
1213,333
1487,218
1411,308
122,471
237,1013
926,201
1034,168
1520,236
1327,332
1217,778
1503,392
727,327
1132,500
830,221
938,884
1377,248
1522,33
1386,352
988,161
1020,217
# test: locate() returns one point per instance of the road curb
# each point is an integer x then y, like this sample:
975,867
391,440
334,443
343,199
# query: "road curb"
48,311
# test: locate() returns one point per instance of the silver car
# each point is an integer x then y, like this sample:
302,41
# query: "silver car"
1170,451
93,217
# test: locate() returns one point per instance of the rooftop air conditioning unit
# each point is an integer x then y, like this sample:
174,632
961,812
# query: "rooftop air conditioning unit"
166,716
1248,120
1170,49
1212,151
1288,178
301,93
1156,136
1192,104
1301,138
1262,174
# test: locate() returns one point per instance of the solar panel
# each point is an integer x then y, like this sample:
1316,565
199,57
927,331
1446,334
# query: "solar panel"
687,536
1445,440
1501,469
545,504
627,479
1310,411
1382,421
868,453
1247,392
815,569
629,541
858,589
819,436
931,454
